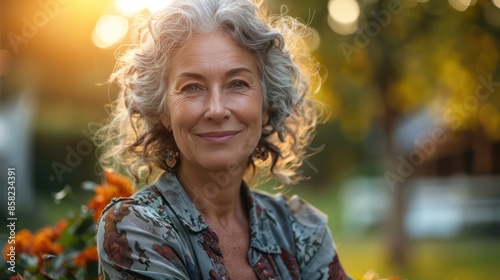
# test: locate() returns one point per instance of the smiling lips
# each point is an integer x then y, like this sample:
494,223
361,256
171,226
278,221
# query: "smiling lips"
218,137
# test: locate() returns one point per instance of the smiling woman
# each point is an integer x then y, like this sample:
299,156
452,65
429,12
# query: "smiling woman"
214,94
217,82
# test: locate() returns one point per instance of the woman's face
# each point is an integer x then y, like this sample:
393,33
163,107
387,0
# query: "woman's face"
215,103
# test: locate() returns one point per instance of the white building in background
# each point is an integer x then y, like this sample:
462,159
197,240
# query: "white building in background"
451,187
436,207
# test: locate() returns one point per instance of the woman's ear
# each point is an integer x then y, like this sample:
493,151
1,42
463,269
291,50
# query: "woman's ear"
165,120
265,118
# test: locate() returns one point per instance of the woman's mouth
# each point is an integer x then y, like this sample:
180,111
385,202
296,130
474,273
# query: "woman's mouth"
218,137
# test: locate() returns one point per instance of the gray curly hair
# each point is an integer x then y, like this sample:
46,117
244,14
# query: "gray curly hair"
135,138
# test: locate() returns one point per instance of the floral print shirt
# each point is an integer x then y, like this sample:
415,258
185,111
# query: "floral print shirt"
159,234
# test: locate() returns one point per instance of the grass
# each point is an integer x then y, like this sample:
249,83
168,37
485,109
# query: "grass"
428,260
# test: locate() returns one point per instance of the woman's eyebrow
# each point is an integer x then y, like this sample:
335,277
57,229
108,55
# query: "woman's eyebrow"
230,72
235,71
190,75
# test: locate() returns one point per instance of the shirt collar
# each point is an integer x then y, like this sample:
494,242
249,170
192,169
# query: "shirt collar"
262,224
262,220
172,191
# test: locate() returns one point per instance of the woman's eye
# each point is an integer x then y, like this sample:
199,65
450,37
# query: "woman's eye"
191,88
238,84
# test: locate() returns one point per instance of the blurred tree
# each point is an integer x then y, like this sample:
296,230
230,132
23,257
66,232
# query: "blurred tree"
406,58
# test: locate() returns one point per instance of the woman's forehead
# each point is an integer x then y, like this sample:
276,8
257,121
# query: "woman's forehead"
212,50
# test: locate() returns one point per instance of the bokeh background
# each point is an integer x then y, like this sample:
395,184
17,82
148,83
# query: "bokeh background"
410,169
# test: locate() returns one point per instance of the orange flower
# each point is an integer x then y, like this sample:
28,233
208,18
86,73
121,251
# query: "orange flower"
87,255
44,242
115,186
121,182
22,243
60,227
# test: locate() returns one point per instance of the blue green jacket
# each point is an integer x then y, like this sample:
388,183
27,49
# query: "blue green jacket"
159,234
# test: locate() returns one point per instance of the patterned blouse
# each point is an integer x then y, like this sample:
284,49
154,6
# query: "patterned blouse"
159,234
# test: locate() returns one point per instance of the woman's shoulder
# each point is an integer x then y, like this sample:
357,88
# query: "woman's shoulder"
298,226
136,239
144,206
294,207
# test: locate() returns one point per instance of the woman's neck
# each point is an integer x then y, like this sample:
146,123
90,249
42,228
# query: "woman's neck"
216,194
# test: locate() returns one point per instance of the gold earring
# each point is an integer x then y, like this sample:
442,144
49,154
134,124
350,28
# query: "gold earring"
171,159
261,152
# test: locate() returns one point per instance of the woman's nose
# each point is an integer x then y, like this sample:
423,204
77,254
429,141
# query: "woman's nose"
217,107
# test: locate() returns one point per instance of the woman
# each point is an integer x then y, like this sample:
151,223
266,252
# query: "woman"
213,97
